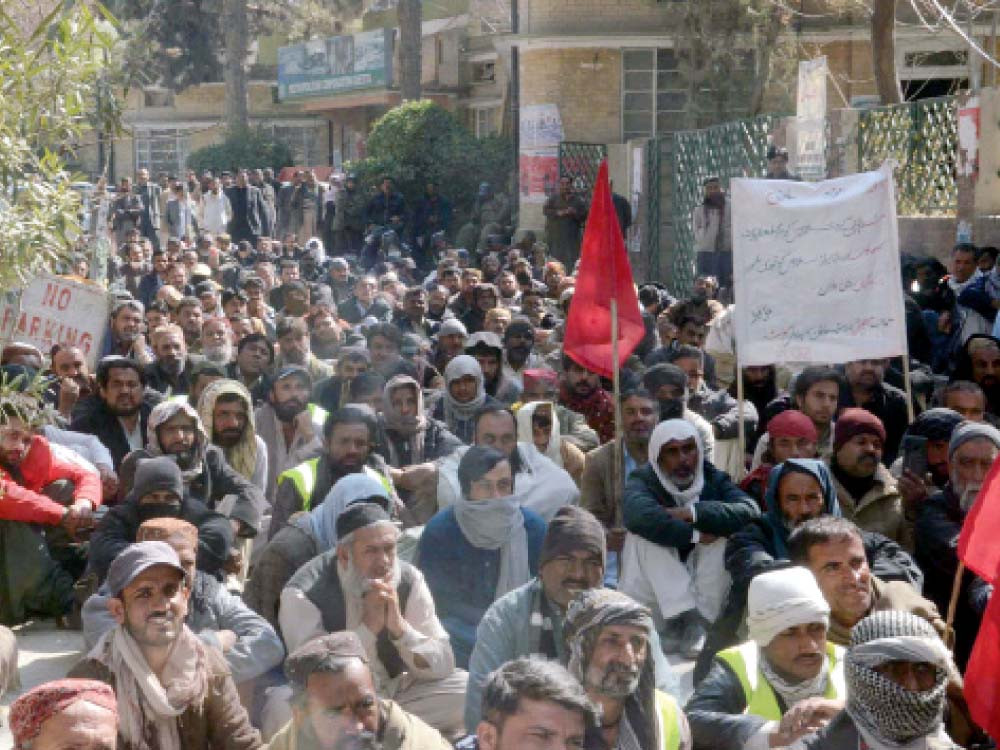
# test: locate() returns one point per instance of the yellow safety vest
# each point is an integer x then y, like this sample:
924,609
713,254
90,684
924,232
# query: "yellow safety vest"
317,414
760,697
303,477
666,716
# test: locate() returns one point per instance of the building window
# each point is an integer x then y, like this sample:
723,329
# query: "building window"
163,150
303,140
653,96
487,121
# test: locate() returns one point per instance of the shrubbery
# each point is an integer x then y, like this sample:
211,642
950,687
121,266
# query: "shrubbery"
253,148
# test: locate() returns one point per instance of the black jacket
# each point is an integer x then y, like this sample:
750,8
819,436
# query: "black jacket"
715,711
889,405
159,380
94,418
352,311
438,443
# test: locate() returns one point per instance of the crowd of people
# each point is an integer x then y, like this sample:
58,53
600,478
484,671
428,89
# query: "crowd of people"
306,503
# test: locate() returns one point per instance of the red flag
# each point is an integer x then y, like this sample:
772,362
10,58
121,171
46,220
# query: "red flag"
982,675
604,274
977,544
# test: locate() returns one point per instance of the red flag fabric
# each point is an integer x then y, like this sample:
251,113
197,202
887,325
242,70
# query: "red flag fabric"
977,544
604,274
982,675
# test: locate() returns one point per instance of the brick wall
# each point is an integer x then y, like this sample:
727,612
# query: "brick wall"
588,16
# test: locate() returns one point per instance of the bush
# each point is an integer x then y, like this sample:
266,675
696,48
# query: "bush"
420,141
253,148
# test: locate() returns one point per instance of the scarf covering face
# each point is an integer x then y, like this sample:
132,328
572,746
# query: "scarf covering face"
553,450
459,367
411,429
148,707
886,714
497,524
243,455
793,692
775,518
348,489
669,431
163,412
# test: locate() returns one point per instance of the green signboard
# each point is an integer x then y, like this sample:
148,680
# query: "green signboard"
339,63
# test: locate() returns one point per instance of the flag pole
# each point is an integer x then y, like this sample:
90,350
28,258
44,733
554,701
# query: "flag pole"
741,433
619,455
956,586
909,388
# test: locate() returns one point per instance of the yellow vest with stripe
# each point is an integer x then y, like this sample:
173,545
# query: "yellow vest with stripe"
669,724
318,415
303,477
760,697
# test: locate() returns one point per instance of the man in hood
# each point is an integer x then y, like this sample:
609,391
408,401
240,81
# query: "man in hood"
487,348
680,510
226,411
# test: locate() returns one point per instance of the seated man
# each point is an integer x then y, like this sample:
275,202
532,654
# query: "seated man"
668,385
607,635
226,411
530,619
170,372
218,618
407,437
815,391
332,393
477,550
679,511
158,492
866,491
790,434
176,431
896,671
334,703
582,392
464,395
487,348
543,385
151,649
63,714
865,387
718,408
783,683
362,586
936,426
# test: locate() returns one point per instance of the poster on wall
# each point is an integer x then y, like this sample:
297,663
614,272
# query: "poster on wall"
540,134
810,120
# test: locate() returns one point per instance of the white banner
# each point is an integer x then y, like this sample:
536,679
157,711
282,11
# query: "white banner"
57,310
816,270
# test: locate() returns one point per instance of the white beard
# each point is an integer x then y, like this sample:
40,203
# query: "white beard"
355,585
221,354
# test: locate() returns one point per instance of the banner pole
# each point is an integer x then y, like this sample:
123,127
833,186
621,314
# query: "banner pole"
910,416
956,586
619,467
741,428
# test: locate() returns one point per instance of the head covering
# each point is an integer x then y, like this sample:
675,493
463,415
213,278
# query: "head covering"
455,412
541,375
30,712
297,370
774,516
666,432
136,558
663,374
572,529
886,714
484,340
322,519
308,657
156,474
935,424
243,455
792,423
164,412
451,326
854,421
359,516
339,264
781,599
967,431
524,415
411,429
164,529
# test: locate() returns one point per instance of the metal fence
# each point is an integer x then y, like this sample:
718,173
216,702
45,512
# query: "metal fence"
581,162
922,137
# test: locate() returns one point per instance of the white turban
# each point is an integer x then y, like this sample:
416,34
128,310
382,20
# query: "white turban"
782,599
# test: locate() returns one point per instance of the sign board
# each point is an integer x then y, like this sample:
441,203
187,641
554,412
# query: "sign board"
335,64
540,132
816,270
57,310
810,120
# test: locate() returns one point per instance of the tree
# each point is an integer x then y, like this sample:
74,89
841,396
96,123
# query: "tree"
410,40
884,51
248,148
236,32
48,79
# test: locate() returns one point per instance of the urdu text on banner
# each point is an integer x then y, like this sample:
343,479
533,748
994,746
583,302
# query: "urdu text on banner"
816,270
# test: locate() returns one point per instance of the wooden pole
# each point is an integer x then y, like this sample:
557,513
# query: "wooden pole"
618,456
909,388
956,586
741,441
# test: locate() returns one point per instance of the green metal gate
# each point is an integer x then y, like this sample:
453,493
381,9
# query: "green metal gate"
581,162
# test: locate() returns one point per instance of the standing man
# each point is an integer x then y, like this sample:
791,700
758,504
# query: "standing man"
216,211
149,194
564,213
349,217
713,239
249,211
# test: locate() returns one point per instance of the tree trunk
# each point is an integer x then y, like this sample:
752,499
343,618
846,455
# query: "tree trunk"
771,33
410,17
884,51
236,37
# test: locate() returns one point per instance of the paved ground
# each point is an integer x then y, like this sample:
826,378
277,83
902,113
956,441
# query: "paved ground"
46,653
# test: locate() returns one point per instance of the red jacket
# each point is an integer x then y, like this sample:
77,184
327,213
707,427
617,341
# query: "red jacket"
41,466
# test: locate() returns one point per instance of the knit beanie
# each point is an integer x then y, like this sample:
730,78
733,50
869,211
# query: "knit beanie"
967,431
154,474
792,423
781,599
855,421
572,529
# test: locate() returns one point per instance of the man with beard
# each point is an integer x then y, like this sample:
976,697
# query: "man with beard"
216,341
349,217
759,388
581,392
176,431
600,493
226,410
896,672
450,343
339,280
330,677
865,386
936,426
362,586
332,392
668,384
288,424
203,375
971,453
74,381
151,651
713,239
979,361
119,414
158,492
782,684
294,349
518,342
348,441
325,334
718,408
679,511
607,637
170,373
249,217
413,317
565,214
815,393
542,384
488,351
866,491
126,336
254,360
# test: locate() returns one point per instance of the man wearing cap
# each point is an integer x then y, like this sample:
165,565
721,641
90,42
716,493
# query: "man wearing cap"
608,641
542,384
339,280
487,348
288,424
896,670
790,434
335,704
973,448
362,586
450,343
866,491
785,682
70,713
173,691
865,387
188,315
